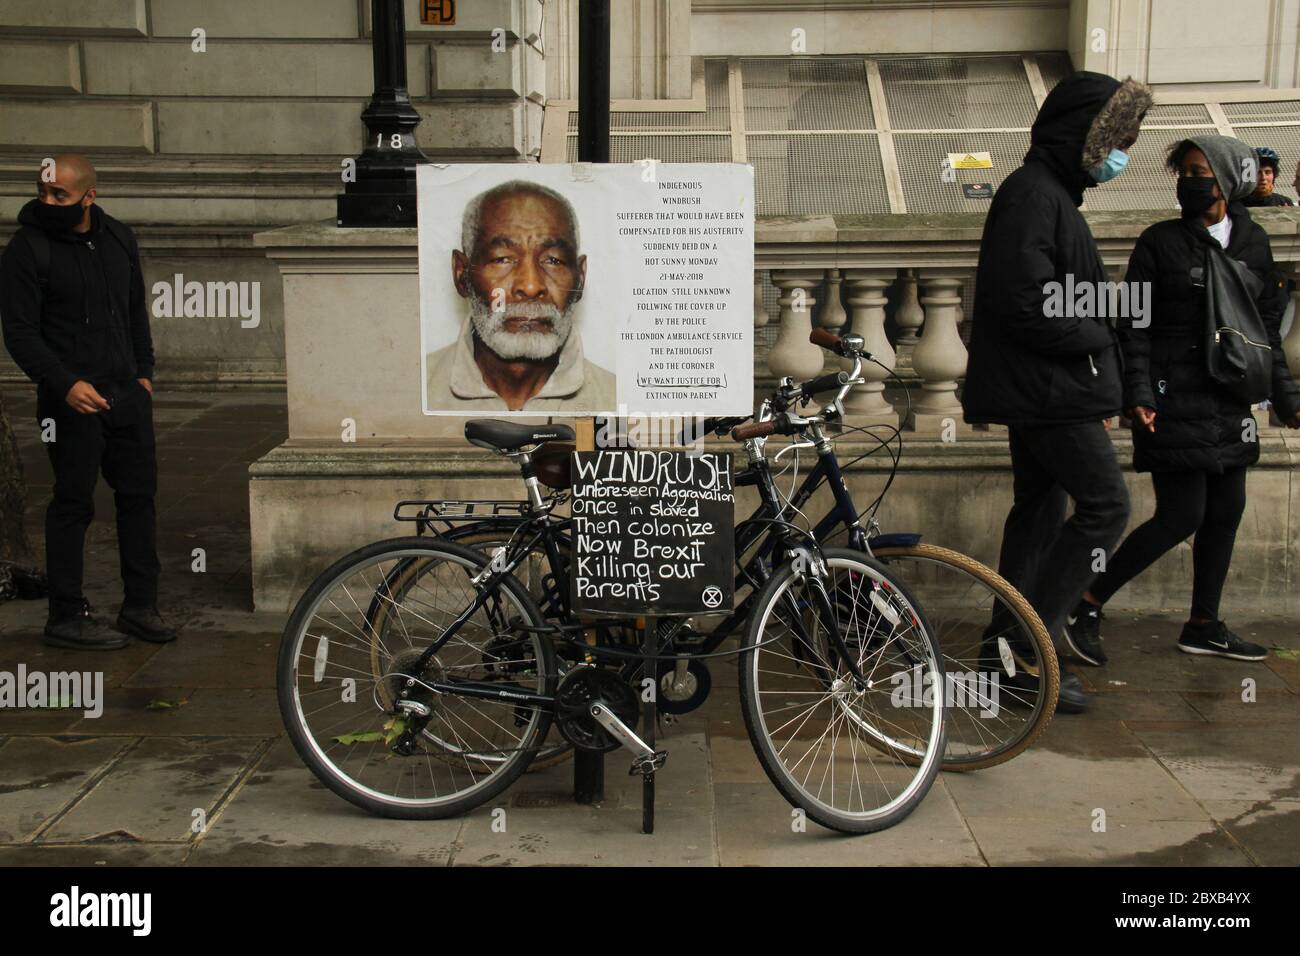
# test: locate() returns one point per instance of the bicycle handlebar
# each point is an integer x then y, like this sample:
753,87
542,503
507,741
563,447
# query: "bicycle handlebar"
831,382
753,430
827,340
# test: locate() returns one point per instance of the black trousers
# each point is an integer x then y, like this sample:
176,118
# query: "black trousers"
1051,559
1187,503
120,442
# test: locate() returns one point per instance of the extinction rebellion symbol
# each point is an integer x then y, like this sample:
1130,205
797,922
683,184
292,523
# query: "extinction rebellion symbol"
711,596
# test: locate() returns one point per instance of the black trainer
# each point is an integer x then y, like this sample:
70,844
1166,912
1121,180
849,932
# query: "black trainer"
1082,633
1215,639
81,632
1073,698
145,623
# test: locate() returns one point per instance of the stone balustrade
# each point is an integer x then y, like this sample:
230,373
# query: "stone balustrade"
928,261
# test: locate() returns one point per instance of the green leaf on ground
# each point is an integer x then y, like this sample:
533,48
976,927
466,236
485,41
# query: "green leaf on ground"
1286,653
369,737
394,728
161,703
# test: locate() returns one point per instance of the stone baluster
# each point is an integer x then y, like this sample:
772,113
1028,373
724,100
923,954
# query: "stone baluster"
866,403
908,318
792,354
939,358
832,316
760,310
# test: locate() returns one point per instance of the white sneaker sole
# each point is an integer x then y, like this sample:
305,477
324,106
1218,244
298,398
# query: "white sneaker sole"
1208,652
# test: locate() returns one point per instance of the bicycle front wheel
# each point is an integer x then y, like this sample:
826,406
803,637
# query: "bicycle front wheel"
352,646
836,749
1001,676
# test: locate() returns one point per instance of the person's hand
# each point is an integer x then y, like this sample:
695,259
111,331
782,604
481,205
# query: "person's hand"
1145,417
83,398
148,385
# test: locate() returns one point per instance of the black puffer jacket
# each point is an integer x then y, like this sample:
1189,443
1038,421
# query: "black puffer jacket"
1198,426
1026,367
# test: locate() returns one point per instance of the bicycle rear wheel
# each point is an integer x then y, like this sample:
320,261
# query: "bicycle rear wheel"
351,646
535,575
1001,675
834,749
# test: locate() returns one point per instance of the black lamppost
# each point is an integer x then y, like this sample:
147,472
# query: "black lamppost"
383,193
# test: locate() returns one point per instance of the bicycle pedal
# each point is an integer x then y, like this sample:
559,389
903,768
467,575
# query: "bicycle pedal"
647,765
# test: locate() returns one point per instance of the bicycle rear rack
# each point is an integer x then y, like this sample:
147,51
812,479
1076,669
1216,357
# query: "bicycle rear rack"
447,511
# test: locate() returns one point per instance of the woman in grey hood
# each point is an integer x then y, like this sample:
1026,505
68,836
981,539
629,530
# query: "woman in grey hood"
1195,438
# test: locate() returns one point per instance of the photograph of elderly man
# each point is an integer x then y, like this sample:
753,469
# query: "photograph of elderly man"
521,274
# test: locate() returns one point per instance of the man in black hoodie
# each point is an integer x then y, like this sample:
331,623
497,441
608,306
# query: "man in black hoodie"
72,308
1052,375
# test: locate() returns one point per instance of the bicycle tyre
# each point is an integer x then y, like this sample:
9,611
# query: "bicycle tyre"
1036,631
301,736
781,777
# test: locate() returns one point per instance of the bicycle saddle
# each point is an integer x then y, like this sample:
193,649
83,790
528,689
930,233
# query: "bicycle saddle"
504,436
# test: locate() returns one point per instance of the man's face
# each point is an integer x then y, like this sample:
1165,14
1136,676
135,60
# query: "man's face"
1266,175
524,277
65,189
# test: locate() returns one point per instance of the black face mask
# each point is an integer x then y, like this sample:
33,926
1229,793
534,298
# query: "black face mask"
53,218
1196,194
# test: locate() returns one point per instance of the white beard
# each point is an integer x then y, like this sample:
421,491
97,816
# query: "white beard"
535,344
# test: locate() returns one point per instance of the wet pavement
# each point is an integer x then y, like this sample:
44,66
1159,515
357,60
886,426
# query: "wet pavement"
1181,760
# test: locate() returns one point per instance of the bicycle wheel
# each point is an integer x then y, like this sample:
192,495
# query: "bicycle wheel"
1001,676
833,749
533,574
342,665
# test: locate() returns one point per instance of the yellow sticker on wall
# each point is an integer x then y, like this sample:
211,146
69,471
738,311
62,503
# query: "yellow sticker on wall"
970,160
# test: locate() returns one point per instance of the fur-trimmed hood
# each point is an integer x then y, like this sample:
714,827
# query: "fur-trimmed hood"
1119,120
1084,116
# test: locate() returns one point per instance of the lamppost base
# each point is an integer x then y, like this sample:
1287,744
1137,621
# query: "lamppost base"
376,209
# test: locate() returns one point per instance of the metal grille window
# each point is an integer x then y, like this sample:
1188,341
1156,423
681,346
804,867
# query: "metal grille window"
957,92
818,94
808,126
824,174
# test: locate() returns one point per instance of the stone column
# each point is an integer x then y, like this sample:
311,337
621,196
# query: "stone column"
940,357
908,318
792,354
832,316
866,403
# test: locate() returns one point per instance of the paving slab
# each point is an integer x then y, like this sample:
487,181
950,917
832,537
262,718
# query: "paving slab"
100,854
152,794
756,827
1269,832
206,711
585,836
1228,764
281,815
1015,840
43,775
1066,791
213,659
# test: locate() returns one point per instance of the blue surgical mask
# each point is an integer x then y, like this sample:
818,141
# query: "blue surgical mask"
1110,167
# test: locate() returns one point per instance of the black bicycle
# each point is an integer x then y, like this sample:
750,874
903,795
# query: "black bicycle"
1001,676
419,677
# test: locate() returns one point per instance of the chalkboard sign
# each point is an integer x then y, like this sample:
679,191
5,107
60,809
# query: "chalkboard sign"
653,532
